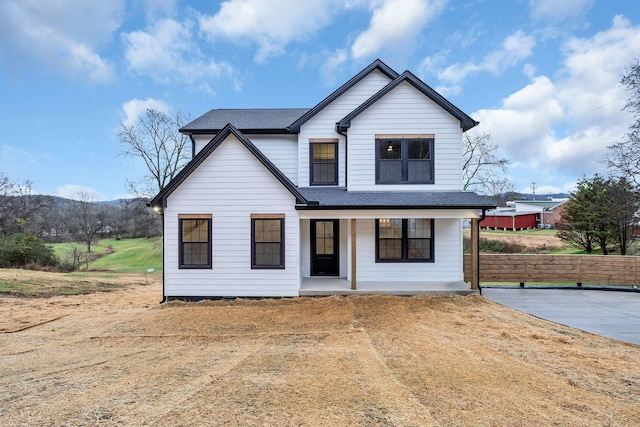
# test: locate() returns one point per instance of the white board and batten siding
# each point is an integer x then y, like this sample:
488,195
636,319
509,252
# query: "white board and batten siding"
405,111
282,150
231,185
323,124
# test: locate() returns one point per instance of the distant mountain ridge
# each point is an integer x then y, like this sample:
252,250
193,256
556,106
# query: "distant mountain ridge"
527,196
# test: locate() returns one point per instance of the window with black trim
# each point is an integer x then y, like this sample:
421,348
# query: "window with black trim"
195,242
404,161
267,242
404,240
324,163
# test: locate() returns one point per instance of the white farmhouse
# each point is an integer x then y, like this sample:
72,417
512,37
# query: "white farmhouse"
360,194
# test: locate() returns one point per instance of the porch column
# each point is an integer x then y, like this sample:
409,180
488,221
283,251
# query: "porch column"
353,254
475,253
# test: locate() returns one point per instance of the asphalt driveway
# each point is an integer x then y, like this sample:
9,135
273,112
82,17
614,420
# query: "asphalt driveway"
608,313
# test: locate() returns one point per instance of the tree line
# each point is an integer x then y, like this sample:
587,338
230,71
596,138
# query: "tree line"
29,221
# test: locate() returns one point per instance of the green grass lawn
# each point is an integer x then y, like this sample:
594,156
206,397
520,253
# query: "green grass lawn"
63,250
129,255
127,264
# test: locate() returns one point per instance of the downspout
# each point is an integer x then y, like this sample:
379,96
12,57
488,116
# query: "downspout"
193,146
345,154
164,296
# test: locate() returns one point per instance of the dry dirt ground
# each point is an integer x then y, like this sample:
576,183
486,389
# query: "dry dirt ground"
120,358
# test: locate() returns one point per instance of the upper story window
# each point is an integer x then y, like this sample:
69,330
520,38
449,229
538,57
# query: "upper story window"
404,159
195,241
324,162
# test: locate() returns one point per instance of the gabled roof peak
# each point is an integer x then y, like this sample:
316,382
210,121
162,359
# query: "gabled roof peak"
466,122
161,199
375,65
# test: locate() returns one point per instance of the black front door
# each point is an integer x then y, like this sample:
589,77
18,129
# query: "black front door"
324,247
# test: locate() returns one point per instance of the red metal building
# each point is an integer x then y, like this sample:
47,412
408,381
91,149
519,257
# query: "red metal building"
509,220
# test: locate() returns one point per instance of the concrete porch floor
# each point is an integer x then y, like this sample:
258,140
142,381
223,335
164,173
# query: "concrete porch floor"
323,286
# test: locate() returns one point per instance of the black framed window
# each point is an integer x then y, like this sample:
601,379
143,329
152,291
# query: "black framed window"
195,242
404,161
404,240
324,163
267,242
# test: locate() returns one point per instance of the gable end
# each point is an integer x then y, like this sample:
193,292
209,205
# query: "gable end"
375,65
160,200
466,122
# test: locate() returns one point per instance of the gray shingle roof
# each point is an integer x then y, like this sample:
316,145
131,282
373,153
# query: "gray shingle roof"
272,120
339,198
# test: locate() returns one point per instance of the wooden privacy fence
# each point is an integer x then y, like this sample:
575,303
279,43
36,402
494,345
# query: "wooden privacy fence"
521,268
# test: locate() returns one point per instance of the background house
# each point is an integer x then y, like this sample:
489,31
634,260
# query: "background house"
525,214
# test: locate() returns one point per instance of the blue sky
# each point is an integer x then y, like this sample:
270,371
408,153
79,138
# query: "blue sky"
542,76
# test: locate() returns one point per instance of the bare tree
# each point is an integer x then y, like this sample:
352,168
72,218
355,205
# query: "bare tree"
624,157
6,191
86,213
25,205
155,140
482,169
501,190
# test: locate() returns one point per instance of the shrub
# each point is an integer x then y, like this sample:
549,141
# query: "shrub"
20,250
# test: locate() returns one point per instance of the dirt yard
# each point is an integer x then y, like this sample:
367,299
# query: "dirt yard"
120,358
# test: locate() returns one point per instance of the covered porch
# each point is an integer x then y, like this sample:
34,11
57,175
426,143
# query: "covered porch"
349,228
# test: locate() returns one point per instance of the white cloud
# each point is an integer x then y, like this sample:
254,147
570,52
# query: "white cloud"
168,54
567,122
136,107
332,65
62,34
78,192
155,9
556,11
515,48
271,24
394,25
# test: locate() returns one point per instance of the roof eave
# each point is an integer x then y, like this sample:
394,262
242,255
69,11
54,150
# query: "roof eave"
310,207
267,131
